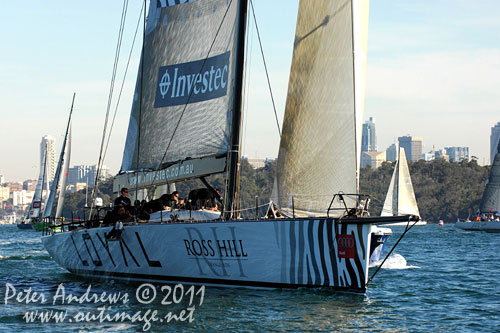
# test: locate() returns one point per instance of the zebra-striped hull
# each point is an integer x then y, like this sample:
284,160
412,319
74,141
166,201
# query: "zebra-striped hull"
282,253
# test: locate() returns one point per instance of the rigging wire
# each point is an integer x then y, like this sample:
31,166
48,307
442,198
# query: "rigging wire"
123,82
140,105
108,108
189,97
265,67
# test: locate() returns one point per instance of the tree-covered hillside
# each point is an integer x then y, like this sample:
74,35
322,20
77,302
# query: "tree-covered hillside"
443,190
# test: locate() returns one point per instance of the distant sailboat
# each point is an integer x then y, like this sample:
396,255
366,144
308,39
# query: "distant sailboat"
60,177
488,217
400,198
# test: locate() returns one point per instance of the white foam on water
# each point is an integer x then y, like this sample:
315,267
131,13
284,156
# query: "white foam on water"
395,261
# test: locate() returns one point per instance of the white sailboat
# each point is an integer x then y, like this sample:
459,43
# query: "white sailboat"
488,216
400,198
185,124
60,178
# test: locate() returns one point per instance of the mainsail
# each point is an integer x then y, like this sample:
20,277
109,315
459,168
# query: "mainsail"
185,91
321,139
491,196
400,198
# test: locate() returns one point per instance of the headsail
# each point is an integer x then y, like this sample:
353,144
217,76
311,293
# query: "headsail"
36,204
64,176
400,199
321,139
60,165
188,86
491,196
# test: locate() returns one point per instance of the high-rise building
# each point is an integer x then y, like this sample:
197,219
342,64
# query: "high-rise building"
85,174
48,145
458,154
412,146
391,153
494,140
369,137
2,179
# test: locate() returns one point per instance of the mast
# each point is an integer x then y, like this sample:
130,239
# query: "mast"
230,202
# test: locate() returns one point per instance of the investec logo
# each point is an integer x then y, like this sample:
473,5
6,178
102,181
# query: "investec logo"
177,82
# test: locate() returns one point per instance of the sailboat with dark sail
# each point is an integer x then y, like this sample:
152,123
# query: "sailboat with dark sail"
185,124
488,217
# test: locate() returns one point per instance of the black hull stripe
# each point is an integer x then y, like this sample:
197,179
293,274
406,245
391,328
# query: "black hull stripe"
292,252
317,279
348,265
322,251
332,252
301,254
236,283
359,265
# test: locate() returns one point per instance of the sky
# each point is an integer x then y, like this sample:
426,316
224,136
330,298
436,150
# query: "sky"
433,71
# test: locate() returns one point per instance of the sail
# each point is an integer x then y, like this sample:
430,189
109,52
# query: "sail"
491,196
188,90
320,146
400,199
36,204
60,165
390,207
64,178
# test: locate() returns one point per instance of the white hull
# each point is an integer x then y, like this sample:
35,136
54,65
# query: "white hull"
488,226
282,253
419,223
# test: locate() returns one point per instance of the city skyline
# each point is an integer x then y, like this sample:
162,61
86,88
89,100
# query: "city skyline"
430,73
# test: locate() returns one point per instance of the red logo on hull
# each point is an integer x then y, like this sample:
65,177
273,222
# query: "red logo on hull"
346,245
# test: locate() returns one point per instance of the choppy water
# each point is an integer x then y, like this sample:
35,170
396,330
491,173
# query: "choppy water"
438,279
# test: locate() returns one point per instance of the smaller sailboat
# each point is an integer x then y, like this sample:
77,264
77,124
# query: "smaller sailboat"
488,216
400,198
60,178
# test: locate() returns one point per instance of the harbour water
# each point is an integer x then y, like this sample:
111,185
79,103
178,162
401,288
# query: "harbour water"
438,279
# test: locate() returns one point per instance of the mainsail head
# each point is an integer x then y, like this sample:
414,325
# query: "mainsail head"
320,144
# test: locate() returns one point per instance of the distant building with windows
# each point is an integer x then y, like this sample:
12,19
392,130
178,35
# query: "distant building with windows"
441,154
368,136
391,153
258,163
413,147
429,156
4,193
85,174
2,179
48,147
458,154
29,185
494,140
372,159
